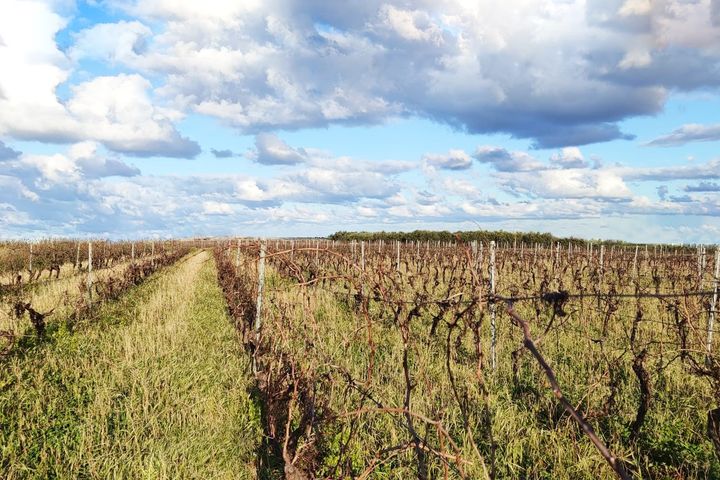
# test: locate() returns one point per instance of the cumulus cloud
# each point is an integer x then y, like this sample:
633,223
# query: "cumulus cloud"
561,75
110,42
699,171
453,160
82,161
271,150
703,187
115,110
7,153
503,160
222,153
569,157
476,66
338,186
687,133
578,183
93,165
217,208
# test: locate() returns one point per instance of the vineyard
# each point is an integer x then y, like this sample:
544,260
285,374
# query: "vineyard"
358,359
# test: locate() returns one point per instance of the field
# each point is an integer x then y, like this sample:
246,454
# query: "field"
305,359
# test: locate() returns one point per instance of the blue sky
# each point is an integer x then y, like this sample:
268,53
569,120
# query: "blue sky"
128,118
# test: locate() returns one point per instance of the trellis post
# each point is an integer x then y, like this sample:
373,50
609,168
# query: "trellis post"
635,265
258,302
713,305
89,275
237,256
398,256
493,331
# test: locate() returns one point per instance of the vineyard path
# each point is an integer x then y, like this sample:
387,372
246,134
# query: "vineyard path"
158,388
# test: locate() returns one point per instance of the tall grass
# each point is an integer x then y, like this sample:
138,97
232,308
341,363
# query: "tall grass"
157,388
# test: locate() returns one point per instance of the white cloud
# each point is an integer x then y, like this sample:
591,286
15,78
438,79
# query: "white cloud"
453,160
366,212
635,7
271,150
7,153
568,183
569,157
635,58
111,42
414,25
692,132
474,65
114,110
505,161
217,208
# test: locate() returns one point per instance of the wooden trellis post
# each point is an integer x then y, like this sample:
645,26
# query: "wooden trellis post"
30,267
362,268
259,302
635,265
493,331
474,247
237,256
398,256
713,304
89,275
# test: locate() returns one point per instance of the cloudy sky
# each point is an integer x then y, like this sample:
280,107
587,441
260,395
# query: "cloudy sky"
127,118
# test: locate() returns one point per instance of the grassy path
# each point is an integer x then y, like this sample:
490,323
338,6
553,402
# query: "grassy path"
157,389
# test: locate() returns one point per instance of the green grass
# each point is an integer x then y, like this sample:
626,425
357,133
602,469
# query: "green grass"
157,388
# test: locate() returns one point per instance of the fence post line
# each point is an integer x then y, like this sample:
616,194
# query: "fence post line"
493,331
713,305
635,265
237,256
474,246
362,269
258,302
398,256
89,275
77,256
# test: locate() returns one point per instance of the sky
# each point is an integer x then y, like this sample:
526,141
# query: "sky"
168,118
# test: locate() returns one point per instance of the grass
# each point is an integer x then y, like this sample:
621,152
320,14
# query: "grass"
158,388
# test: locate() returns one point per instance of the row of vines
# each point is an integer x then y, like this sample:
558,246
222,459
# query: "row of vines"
420,360
25,262
24,315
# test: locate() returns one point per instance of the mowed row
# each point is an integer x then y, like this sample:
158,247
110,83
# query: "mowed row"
157,388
